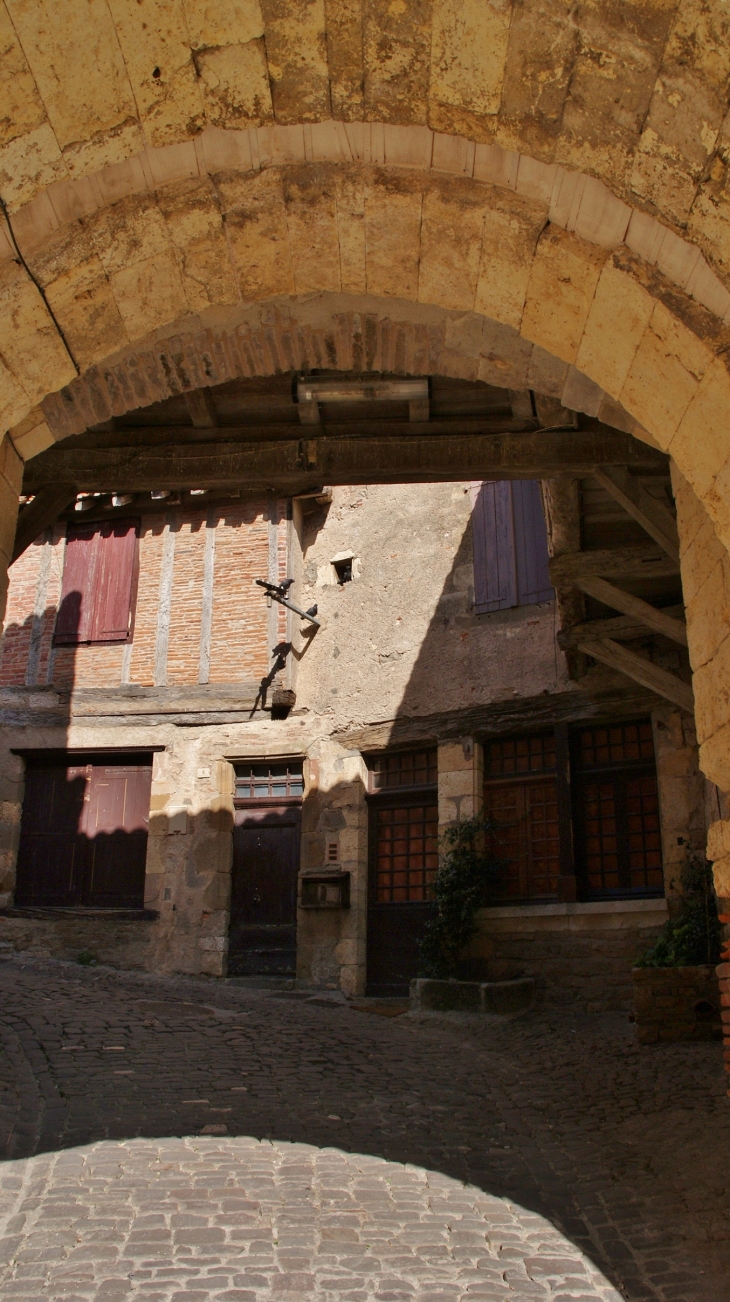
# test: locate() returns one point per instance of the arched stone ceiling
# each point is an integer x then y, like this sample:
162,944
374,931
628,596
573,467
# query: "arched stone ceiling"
635,94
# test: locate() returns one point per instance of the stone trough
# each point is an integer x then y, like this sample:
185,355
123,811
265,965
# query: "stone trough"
501,997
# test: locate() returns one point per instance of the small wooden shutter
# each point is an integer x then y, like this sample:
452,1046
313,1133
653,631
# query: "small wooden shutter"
75,612
98,574
495,574
533,575
509,545
116,547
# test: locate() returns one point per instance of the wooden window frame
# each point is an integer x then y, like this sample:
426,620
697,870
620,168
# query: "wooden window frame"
569,775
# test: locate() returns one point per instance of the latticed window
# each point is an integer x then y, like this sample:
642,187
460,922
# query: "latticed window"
521,798
408,768
269,781
407,852
618,832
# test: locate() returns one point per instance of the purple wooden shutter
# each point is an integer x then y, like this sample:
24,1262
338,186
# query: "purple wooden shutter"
531,549
495,577
76,608
117,544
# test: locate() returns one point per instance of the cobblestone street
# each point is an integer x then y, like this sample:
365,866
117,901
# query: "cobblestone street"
583,1155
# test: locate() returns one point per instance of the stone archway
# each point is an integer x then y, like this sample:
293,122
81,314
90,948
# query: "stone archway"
167,173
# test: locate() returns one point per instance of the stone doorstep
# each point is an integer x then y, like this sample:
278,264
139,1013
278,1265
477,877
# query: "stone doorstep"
504,998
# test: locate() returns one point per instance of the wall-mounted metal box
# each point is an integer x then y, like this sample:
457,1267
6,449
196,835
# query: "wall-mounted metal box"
325,890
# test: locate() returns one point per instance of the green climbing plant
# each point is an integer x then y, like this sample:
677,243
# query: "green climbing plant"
464,883
693,935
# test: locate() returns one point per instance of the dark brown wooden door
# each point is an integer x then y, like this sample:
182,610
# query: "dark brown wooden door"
52,854
83,839
403,862
263,928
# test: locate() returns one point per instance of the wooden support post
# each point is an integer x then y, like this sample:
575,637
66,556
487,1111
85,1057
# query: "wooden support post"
561,503
200,407
642,671
612,596
651,514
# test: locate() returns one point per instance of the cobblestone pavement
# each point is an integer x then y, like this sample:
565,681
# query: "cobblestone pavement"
581,1153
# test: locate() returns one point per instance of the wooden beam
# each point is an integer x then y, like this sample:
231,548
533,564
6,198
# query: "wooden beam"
561,502
650,513
612,596
623,628
201,410
642,671
404,455
44,510
638,561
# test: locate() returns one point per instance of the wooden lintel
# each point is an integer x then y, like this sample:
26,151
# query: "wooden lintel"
650,513
43,511
617,599
638,561
334,457
641,670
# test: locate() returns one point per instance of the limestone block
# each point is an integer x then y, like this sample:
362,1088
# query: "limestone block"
13,401
30,438
351,232
540,55
392,235
106,150
222,22
297,56
715,756
149,294
451,245
278,146
546,373
235,84
601,218
580,393
718,839
257,233
495,165
605,353
311,216
667,367
691,513
410,146
83,303
505,357
535,179
397,58
28,163
194,222
561,287
452,154
155,37
31,347
708,618
468,53
511,229
343,23
701,558
77,64
21,107
701,444
721,877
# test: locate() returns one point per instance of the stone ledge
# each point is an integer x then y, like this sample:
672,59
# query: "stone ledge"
656,905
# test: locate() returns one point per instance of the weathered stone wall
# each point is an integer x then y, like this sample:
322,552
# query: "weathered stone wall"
580,953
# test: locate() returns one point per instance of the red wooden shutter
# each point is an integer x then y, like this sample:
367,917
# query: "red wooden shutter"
75,612
495,575
117,542
533,575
